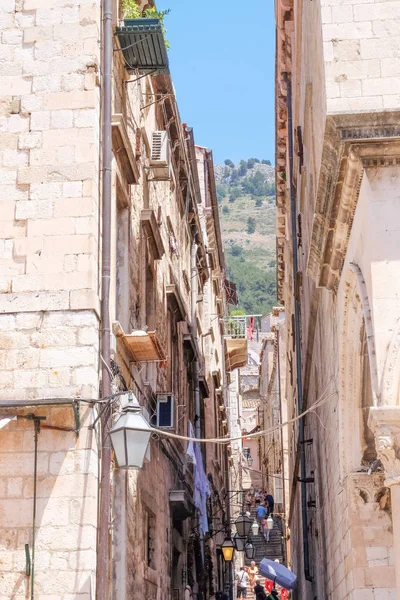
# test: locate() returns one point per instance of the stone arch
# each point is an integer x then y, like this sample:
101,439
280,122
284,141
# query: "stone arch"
390,385
358,374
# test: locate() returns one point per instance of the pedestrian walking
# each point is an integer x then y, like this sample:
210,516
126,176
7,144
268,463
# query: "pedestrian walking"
270,499
265,530
259,591
261,513
253,572
242,578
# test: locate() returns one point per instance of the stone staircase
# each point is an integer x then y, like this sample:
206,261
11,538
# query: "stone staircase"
272,549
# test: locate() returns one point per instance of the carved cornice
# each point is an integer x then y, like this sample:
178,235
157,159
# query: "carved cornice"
351,145
385,423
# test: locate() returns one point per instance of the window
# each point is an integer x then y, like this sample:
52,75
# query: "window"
150,537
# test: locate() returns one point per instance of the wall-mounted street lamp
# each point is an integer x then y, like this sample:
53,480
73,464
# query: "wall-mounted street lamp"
255,528
130,436
250,550
270,522
243,525
239,542
228,549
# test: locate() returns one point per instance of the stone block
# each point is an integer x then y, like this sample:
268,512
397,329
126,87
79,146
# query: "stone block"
48,16
28,175
47,50
70,539
84,300
71,100
70,14
72,189
9,142
347,31
51,227
37,34
16,85
67,357
85,118
375,87
27,283
380,48
68,244
34,301
52,338
34,209
343,14
27,141
12,37
13,192
61,119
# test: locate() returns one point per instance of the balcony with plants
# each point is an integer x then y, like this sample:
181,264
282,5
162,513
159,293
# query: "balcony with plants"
141,36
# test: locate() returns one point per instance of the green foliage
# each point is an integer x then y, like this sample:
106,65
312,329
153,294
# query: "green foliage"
237,312
258,202
266,162
225,210
256,160
222,191
250,163
236,192
251,225
236,250
242,168
256,287
234,176
132,11
229,163
257,186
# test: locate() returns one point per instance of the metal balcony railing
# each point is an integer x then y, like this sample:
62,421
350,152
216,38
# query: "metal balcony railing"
242,326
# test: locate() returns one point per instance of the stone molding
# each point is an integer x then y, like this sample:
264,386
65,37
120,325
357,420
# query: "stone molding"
385,423
351,145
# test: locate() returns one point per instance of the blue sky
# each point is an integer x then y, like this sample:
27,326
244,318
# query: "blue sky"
222,60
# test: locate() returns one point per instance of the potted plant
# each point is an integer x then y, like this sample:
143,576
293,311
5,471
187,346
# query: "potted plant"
148,17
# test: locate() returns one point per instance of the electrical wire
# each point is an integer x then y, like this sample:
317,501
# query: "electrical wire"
258,434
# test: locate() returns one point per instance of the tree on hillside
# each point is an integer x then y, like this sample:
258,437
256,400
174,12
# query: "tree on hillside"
258,202
235,193
256,160
236,250
222,191
266,162
242,168
250,163
225,210
234,176
229,163
251,225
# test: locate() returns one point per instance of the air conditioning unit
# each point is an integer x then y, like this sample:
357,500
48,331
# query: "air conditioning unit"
165,411
160,156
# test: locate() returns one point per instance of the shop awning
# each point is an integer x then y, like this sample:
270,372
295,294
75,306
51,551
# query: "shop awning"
236,353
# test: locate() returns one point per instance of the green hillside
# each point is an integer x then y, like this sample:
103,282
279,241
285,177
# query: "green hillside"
246,196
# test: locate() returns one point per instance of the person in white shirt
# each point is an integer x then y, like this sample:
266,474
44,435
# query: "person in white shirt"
242,579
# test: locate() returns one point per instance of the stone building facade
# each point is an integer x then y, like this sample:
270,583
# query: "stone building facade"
338,278
167,271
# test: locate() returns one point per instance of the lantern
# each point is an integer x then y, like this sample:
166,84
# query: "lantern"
250,550
255,528
243,525
250,460
270,522
228,550
239,542
130,436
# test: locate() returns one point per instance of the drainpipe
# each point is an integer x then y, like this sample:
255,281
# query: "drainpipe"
193,289
102,571
293,209
282,446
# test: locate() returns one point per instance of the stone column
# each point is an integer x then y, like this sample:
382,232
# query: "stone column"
385,423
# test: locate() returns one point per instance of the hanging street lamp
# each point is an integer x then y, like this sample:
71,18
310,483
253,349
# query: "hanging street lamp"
255,528
270,522
228,549
130,436
250,550
239,542
250,460
243,525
